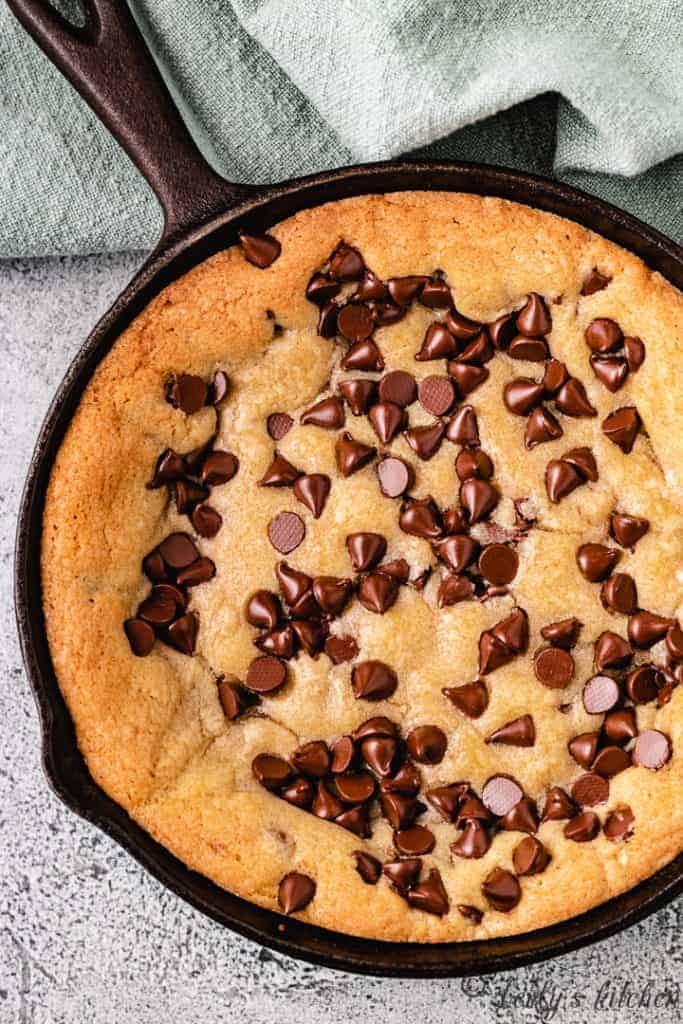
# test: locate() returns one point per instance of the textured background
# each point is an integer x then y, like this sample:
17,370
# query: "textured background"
87,936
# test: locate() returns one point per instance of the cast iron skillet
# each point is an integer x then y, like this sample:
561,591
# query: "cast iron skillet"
108,63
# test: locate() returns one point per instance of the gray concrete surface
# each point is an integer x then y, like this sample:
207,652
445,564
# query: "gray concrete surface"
87,936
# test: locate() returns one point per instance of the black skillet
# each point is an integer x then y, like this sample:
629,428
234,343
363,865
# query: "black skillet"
110,66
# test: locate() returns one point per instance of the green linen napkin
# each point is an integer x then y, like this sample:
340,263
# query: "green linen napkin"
588,91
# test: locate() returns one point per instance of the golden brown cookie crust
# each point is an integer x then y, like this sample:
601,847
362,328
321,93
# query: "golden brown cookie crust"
152,730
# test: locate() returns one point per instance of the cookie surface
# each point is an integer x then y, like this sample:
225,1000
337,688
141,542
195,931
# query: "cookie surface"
442,521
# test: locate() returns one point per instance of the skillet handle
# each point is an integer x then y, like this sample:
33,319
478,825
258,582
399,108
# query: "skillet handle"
109,64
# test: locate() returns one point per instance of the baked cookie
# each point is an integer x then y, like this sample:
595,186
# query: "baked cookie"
363,562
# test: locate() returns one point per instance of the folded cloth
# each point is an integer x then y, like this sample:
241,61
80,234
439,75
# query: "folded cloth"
588,91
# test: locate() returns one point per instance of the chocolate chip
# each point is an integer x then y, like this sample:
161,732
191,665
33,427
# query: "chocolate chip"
453,589
498,563
321,288
430,895
265,675
620,726
523,817
311,635
218,388
293,584
373,680
461,327
187,495
458,551
178,551
332,593
280,473
621,427
261,250
271,771
300,792
368,867
341,648
473,463
513,631
286,531
403,874
206,521
635,353
346,263
170,466
470,698
563,633
234,699
462,427
472,808
478,351
187,392
554,667
437,394
280,641
372,288
530,857
479,497
387,420
398,387
426,440
455,520
159,608
583,828
493,654
343,754
652,749
366,550
533,350
540,428
610,761
219,467
646,628
352,455
421,519
140,636
619,593
427,744
619,824
295,892
501,794
312,758
470,913
395,477
554,376
312,490
436,294
466,376
600,694
522,395
591,789
325,803
327,320
674,642
584,747
414,841
263,610
611,371
355,322
520,732
328,414
379,753
446,800
502,890
359,394
594,282
558,806
534,318
572,399
502,331
404,289
385,313
355,788
400,810
398,569
378,592
603,335
596,561
612,651
561,478
473,843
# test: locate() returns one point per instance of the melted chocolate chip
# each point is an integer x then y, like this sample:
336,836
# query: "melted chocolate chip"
534,318
462,427
502,890
261,250
346,263
603,335
427,744
530,857
619,824
368,867
621,427
596,561
378,592
140,636
187,392
583,828
594,282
